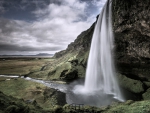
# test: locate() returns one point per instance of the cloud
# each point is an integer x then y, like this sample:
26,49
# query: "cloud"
2,9
99,4
57,25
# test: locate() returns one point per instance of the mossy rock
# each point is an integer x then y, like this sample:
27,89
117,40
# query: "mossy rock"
147,84
38,74
131,85
58,109
55,74
54,97
146,95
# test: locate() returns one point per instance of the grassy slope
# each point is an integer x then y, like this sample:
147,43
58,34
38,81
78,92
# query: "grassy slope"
26,90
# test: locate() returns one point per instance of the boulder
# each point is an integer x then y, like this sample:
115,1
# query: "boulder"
131,85
146,95
69,70
56,73
69,74
54,97
147,83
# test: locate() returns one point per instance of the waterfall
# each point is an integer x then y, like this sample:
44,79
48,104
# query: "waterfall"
100,73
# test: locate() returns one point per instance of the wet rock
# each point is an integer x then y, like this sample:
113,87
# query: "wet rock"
132,39
131,85
146,95
55,97
147,84
56,73
69,74
69,70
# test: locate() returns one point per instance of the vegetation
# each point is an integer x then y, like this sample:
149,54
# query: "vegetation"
31,92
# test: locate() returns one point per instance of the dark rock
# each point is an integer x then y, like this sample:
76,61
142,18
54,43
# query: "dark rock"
146,95
132,37
69,74
54,96
131,85
147,84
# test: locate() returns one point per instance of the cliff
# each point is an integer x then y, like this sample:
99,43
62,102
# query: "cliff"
132,47
132,37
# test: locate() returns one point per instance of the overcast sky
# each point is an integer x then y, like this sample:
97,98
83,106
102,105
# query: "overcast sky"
44,26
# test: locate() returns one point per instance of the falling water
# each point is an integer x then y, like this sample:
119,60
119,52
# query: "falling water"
100,73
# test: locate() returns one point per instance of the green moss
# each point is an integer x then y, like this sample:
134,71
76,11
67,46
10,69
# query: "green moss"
39,74
146,95
134,107
134,86
57,72
18,87
147,84
33,92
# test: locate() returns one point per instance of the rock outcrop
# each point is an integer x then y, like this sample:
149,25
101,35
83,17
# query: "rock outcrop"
131,85
132,37
75,55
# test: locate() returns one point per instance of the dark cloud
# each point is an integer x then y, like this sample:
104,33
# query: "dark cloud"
12,47
43,25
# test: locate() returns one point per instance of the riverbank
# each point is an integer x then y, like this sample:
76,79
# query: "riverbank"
33,91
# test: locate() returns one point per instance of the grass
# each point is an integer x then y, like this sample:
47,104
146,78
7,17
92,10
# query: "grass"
26,90
22,66
19,88
32,67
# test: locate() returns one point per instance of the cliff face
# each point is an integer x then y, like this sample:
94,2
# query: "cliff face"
73,60
81,44
131,27
132,39
131,21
